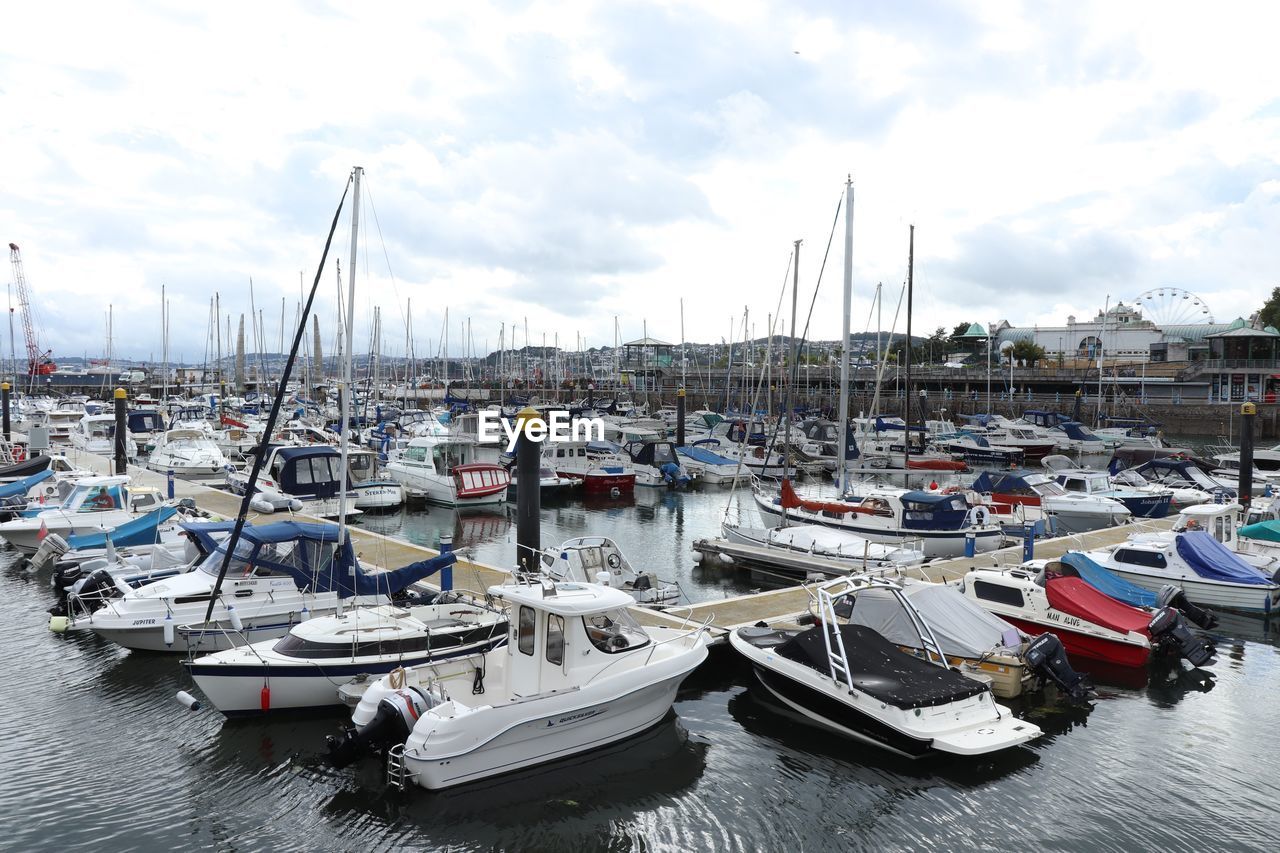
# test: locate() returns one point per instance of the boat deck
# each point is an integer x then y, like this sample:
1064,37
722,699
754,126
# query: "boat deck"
778,607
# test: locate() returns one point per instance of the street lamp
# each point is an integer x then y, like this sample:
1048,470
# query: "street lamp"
1006,350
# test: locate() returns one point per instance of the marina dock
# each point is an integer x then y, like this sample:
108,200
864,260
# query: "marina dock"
773,607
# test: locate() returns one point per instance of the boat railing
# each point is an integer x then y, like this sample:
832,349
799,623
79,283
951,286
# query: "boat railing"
653,648
832,591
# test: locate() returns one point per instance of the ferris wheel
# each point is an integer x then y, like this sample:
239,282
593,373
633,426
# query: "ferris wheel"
1173,306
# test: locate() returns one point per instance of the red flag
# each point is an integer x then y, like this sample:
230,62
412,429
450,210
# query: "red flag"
44,531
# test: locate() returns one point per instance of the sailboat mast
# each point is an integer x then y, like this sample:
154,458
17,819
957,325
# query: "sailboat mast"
906,406
842,457
344,397
791,370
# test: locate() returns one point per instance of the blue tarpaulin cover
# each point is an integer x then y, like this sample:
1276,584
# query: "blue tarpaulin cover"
1107,583
143,530
1211,559
21,487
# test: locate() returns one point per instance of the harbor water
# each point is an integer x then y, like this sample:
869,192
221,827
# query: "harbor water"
98,754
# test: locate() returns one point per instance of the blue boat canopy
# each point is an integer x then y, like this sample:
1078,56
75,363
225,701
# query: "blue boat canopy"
310,553
702,454
1213,560
1077,431
143,530
934,511
21,487
1106,582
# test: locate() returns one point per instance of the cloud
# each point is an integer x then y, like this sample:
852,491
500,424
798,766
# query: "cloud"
569,163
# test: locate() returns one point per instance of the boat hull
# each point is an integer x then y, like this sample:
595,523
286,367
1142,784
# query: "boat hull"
1242,598
934,543
1086,646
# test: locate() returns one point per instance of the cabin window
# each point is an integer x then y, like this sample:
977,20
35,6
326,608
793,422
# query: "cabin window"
998,593
555,639
582,451
1074,485
1220,529
415,454
528,620
1134,557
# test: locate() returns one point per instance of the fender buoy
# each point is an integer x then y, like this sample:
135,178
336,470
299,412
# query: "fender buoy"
19,453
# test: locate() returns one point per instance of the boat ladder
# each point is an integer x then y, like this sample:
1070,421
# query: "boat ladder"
395,767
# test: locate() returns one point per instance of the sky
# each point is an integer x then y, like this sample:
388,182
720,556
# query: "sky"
554,166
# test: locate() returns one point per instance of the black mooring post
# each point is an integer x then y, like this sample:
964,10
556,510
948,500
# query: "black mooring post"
4,394
1245,492
680,416
528,491
122,432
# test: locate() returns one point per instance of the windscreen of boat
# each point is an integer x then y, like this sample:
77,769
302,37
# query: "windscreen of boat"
882,670
1210,559
614,631
239,564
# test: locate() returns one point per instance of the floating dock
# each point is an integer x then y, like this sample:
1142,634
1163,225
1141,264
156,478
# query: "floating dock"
772,607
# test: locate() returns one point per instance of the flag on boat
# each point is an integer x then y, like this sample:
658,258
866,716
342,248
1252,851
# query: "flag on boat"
44,530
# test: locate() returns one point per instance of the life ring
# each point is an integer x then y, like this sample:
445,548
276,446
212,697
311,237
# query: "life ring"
19,453
978,516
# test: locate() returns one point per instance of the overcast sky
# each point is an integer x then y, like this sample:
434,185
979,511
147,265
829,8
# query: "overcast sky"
572,162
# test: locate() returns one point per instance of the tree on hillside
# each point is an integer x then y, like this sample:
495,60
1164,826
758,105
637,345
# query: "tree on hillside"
1270,313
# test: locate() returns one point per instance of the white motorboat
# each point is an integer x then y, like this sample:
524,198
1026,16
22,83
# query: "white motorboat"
977,643
598,559
601,469
94,505
803,550
1074,512
577,673
280,575
189,453
305,668
96,434
372,492
708,465
848,679
442,469
1205,570
302,479
940,523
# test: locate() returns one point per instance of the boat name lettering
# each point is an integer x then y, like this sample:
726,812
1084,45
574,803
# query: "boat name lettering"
1065,620
573,718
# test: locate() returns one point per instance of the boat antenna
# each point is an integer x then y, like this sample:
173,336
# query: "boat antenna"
260,454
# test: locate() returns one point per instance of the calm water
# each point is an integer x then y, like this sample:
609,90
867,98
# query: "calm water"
96,752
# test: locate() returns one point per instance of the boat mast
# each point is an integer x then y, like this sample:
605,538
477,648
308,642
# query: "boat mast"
1102,349
792,374
344,395
906,402
842,457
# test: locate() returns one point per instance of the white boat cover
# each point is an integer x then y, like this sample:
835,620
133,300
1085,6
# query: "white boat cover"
826,541
962,628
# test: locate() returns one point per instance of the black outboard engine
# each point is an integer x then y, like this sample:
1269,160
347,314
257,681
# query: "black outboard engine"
1047,659
391,724
66,574
1169,633
87,595
1170,596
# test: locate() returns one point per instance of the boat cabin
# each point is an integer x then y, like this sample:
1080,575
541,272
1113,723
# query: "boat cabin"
654,454
144,422
307,472
561,634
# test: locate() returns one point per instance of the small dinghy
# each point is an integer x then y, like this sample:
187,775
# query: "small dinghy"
851,680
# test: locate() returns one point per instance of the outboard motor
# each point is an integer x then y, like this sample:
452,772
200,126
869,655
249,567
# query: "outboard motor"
1170,596
53,547
1169,632
391,724
87,595
1047,659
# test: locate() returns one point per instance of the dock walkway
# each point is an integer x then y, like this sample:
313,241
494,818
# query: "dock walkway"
778,606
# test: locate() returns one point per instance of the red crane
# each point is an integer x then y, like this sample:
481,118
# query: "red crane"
38,363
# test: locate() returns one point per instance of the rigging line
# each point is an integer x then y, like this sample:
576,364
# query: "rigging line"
737,472
834,222
260,456
378,226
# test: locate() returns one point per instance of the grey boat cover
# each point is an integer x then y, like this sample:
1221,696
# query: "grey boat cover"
962,628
